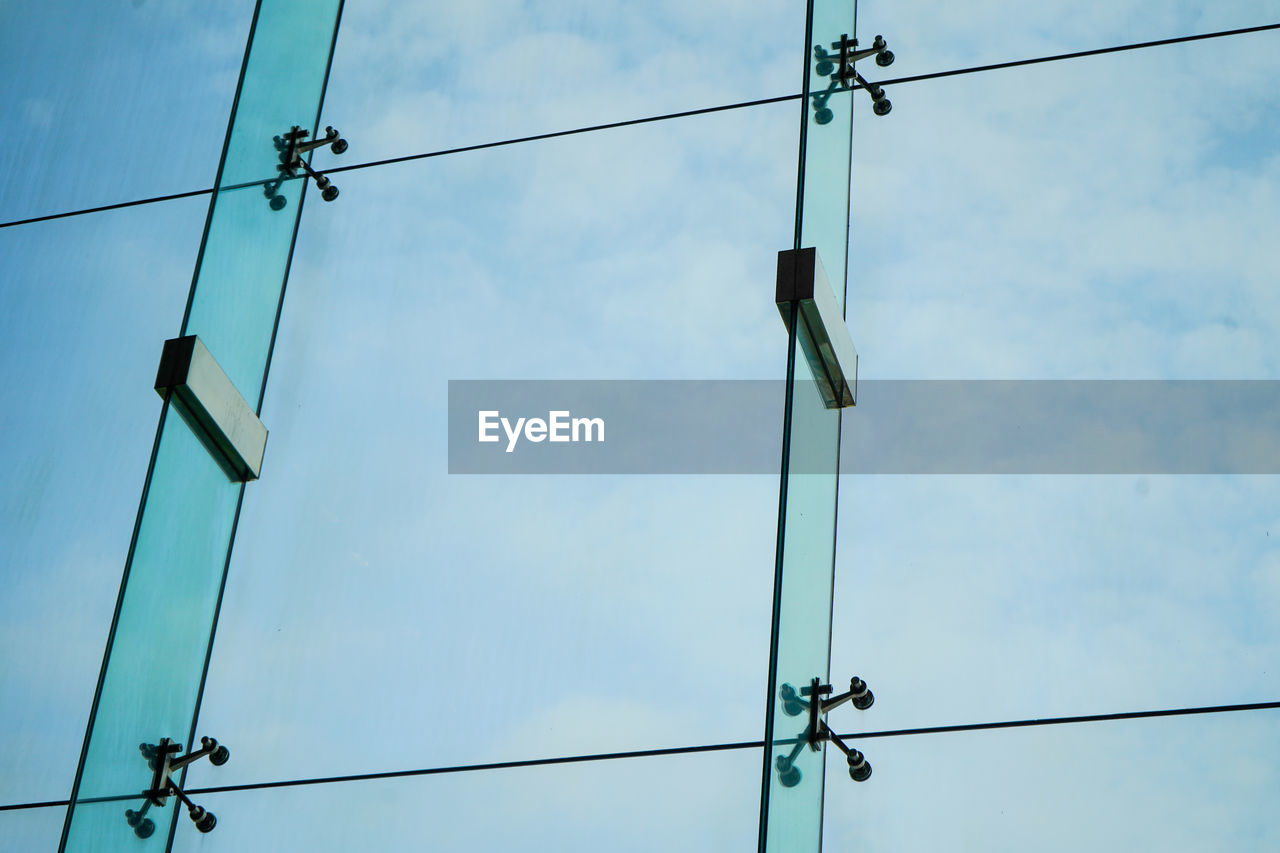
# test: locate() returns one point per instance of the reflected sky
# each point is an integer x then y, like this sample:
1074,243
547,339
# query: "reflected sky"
1102,219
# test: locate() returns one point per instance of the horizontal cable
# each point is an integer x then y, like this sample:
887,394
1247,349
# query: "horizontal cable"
1057,57
668,116
682,750
494,765
1059,721
100,209
558,133
409,157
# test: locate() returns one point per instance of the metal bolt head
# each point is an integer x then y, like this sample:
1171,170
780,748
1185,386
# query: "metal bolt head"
859,767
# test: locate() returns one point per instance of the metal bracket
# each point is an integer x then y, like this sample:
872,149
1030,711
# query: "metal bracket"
163,765
827,345
213,408
817,730
838,66
292,146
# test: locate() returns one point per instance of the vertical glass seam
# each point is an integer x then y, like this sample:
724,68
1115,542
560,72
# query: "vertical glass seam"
776,620
115,621
835,526
804,126
208,654
222,162
288,263
262,387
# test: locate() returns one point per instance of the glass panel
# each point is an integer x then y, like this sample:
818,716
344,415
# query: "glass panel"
31,829
694,802
172,587
1067,236
161,635
372,595
249,240
110,102
84,306
1056,596
823,221
931,38
791,800
417,77
1204,782
804,615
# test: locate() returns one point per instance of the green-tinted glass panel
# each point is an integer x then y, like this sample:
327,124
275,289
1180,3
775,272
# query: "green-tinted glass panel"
168,602
803,612
78,327
158,645
791,802
247,247
823,220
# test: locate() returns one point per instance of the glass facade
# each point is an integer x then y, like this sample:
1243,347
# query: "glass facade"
409,657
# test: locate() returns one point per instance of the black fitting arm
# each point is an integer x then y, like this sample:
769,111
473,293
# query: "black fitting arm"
817,730
292,148
859,767
160,758
839,66
858,693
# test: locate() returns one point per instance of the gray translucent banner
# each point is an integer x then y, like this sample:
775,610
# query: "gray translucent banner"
898,427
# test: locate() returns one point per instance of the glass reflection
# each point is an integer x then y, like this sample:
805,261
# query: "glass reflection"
160,637
791,808
31,829
371,592
111,102
1066,236
84,308
1203,782
435,75
695,802
937,38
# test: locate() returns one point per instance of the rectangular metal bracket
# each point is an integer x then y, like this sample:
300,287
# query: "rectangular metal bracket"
825,338
213,408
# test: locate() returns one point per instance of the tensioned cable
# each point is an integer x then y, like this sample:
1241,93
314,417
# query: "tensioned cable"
117,206
669,116
710,747
1079,54
937,74
686,750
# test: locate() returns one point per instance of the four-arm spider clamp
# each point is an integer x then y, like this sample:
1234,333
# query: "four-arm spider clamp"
160,758
838,66
793,704
292,146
